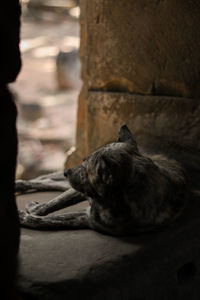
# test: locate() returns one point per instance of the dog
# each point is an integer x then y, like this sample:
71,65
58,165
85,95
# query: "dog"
128,191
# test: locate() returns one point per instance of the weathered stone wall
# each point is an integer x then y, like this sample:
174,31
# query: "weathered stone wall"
146,48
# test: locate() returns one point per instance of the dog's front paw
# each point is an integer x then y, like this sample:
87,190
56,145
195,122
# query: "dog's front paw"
27,220
32,207
21,186
22,217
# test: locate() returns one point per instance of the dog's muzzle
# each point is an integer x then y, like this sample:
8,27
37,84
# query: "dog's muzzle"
67,172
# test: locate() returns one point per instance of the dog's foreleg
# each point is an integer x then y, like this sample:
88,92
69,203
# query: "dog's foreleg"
75,220
58,176
42,184
66,199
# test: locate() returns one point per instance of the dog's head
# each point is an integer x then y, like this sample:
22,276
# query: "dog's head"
103,173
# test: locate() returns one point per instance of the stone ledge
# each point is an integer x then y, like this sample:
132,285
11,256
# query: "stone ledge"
88,265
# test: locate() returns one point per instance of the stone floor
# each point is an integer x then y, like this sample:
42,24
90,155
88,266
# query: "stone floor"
87,265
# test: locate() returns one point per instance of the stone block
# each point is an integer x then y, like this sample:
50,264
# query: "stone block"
140,66
141,46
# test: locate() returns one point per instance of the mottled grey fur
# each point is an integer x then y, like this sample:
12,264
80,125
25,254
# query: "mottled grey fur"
128,191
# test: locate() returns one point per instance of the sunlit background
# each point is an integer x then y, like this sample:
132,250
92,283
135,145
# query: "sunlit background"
48,85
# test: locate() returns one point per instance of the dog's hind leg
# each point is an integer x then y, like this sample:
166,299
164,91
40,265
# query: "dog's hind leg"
50,182
66,199
75,220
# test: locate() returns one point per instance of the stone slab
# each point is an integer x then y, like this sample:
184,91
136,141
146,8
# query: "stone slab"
85,264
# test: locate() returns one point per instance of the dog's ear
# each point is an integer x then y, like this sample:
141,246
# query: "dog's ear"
125,136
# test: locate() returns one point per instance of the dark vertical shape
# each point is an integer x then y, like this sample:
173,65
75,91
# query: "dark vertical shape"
9,225
10,64
10,61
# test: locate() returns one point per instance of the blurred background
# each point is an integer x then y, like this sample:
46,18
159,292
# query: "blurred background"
47,88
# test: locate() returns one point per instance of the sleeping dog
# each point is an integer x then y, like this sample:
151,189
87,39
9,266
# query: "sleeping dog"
128,191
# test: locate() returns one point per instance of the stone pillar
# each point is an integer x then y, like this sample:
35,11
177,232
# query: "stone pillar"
9,224
140,66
